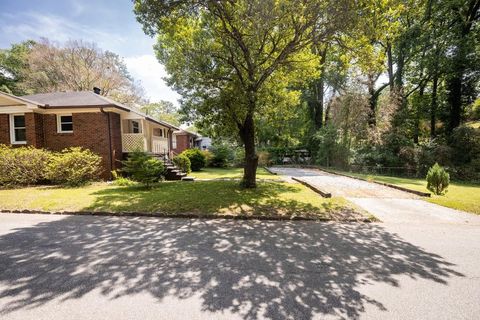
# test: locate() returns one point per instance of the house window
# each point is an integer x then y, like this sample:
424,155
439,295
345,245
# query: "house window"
64,123
18,132
136,127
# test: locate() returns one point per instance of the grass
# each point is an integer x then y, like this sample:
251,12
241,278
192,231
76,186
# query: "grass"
230,173
474,124
204,198
460,195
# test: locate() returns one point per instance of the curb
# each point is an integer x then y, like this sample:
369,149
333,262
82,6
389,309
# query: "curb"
270,171
181,216
322,193
418,193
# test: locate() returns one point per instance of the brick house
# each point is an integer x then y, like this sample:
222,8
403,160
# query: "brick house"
183,140
59,120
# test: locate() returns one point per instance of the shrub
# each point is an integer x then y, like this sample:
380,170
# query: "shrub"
465,142
239,158
197,158
143,168
120,181
208,157
263,158
223,155
183,163
74,166
22,166
437,179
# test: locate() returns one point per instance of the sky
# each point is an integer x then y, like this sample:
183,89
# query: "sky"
110,24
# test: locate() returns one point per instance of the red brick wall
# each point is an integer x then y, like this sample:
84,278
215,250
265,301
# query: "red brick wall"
34,128
182,143
4,129
90,131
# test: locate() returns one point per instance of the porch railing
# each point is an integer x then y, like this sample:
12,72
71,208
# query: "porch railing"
159,145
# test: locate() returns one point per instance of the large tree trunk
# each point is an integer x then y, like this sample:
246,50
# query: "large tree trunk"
390,69
318,88
416,132
372,117
318,103
455,99
247,134
433,106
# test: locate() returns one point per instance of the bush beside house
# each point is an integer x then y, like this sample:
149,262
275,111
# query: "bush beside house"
74,167
183,163
27,166
143,168
196,157
22,166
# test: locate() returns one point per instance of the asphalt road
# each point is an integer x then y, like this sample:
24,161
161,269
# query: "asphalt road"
85,267
421,262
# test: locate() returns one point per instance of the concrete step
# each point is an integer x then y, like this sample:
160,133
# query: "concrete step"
188,179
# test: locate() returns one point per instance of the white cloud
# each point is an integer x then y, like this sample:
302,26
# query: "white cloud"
35,25
143,67
150,72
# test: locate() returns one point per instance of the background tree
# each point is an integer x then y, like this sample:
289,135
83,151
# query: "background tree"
44,66
14,67
164,111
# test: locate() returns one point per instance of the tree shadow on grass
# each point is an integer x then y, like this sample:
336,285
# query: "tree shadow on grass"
275,270
215,197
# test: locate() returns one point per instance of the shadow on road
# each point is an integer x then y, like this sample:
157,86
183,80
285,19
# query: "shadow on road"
275,270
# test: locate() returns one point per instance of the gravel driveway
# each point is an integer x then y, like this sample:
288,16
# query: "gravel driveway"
340,186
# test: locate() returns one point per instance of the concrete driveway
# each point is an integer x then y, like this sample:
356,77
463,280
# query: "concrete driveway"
85,267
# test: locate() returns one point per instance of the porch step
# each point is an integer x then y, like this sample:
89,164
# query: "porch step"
188,179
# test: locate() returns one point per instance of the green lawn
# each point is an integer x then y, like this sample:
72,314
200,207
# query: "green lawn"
461,196
201,197
474,124
230,173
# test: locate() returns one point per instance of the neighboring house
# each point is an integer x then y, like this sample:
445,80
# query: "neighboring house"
60,120
183,140
203,143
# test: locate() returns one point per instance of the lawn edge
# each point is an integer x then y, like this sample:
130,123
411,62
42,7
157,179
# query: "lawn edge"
312,187
418,193
187,216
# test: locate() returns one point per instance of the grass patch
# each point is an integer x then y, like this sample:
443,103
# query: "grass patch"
230,173
460,195
473,124
204,198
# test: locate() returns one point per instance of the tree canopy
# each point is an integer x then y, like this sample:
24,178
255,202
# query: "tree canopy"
231,59
45,66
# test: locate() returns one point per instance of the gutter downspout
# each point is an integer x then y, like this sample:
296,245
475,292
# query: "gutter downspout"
109,139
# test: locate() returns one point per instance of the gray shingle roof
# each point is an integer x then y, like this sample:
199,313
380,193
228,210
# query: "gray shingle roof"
84,99
77,99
